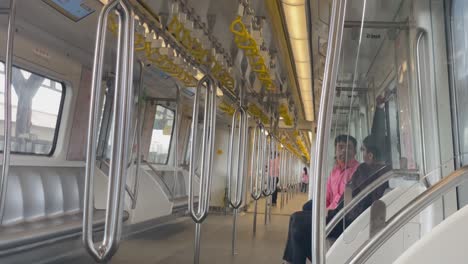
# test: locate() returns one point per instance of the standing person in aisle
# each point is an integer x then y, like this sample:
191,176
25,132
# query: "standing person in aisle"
305,180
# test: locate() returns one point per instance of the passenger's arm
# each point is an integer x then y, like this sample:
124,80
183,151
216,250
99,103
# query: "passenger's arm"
329,193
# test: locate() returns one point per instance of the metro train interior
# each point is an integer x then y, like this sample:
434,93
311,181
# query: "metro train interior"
223,131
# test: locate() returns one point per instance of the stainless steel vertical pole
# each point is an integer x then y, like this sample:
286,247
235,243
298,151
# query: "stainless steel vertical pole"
323,129
7,107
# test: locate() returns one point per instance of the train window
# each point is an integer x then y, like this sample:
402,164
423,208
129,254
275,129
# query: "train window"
162,135
36,109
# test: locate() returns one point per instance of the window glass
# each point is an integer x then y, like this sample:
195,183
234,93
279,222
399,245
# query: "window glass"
36,107
162,135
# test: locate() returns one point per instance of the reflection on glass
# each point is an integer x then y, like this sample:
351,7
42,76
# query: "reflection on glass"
35,102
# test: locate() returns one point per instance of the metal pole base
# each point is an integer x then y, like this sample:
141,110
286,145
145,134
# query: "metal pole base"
234,232
255,218
196,259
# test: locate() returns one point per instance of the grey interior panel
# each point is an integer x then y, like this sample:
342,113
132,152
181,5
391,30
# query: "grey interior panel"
43,204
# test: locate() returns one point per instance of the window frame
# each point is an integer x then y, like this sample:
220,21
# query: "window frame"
172,133
59,115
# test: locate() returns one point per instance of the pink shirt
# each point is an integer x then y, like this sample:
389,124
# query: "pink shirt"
274,167
305,178
337,181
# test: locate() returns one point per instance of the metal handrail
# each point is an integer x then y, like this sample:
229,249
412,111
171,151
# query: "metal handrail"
335,36
156,173
421,34
286,176
408,212
269,184
281,176
257,169
419,86
5,10
256,160
364,192
176,139
207,149
139,124
239,121
122,119
127,188
266,189
7,107
289,182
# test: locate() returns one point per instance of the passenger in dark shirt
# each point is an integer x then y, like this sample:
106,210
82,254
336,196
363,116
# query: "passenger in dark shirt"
298,246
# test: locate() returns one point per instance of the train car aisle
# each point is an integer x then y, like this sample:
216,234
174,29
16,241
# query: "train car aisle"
293,205
173,242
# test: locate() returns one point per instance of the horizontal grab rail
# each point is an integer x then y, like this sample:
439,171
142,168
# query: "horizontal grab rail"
5,11
364,192
408,212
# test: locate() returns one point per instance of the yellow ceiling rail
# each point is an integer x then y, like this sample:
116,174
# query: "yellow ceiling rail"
201,56
247,43
163,62
301,145
191,44
284,113
167,65
256,111
301,153
227,108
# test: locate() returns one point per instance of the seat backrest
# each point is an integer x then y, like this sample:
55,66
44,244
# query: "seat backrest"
358,232
446,243
35,192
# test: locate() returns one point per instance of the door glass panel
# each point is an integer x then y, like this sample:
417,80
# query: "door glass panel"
458,22
386,119
162,135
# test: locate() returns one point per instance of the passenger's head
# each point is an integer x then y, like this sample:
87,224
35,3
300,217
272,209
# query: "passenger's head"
305,170
370,150
345,148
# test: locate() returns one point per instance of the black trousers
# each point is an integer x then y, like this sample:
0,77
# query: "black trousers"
274,196
298,246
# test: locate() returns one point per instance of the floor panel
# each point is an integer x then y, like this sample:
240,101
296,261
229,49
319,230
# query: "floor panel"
174,243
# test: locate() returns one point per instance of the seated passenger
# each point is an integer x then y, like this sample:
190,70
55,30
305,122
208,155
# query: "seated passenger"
298,246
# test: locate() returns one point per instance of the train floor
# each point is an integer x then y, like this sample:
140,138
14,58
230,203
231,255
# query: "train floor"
174,243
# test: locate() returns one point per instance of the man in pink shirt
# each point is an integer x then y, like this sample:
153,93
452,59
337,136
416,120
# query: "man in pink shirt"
345,166
299,226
